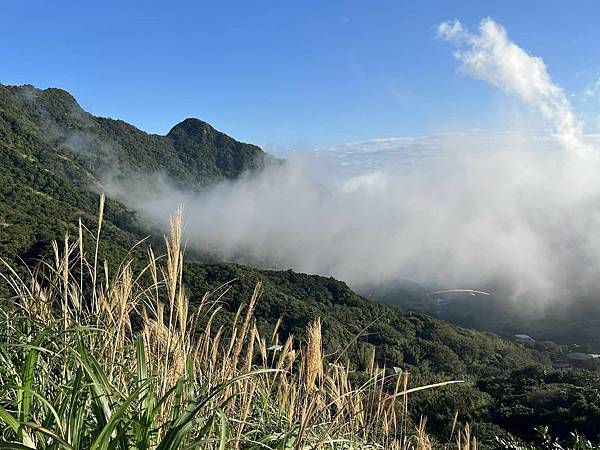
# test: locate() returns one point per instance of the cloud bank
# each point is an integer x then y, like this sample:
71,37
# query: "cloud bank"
465,209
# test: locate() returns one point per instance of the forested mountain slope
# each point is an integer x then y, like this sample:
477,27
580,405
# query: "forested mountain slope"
55,159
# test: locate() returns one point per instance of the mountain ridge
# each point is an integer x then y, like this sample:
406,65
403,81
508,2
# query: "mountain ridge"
53,162
192,160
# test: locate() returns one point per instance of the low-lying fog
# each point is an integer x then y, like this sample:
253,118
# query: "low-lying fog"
458,209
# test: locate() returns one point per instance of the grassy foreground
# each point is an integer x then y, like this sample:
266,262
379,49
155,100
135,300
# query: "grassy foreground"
96,360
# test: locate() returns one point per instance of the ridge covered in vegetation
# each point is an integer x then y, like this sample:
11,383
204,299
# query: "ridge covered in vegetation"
55,158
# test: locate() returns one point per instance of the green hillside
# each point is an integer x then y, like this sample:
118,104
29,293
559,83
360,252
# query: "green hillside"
54,161
56,158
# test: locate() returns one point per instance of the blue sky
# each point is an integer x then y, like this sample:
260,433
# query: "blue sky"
280,73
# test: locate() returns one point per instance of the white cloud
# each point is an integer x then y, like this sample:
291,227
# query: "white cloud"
592,90
491,56
452,30
457,208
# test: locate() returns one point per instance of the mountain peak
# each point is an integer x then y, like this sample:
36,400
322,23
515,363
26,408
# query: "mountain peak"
192,127
211,153
53,96
192,154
